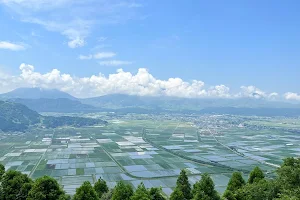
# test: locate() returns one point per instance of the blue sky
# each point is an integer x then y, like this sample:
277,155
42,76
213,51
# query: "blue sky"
220,43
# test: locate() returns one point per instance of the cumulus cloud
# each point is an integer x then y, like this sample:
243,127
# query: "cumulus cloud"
292,96
114,62
11,46
142,83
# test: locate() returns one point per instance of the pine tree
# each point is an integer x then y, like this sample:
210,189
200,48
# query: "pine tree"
155,194
183,185
205,189
177,195
141,193
236,182
256,175
122,191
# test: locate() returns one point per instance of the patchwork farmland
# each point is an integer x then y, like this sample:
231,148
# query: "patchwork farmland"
151,151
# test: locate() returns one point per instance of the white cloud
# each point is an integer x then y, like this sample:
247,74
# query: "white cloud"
102,55
11,46
251,92
99,55
142,83
74,19
114,62
88,57
292,96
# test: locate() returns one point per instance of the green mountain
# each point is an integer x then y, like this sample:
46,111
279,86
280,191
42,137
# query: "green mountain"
18,117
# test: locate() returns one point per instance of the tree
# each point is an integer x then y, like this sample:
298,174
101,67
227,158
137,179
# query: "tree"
100,187
45,188
86,192
256,175
205,189
122,191
263,189
15,185
141,193
107,195
289,178
289,173
236,182
177,194
183,185
2,171
156,194
228,195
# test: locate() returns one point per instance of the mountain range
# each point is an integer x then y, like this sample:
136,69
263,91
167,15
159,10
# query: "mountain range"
44,100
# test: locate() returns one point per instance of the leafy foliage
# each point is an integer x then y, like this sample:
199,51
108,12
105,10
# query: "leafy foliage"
236,182
177,194
100,187
256,175
261,189
2,171
122,191
107,195
156,194
141,193
15,185
45,188
183,185
205,189
86,192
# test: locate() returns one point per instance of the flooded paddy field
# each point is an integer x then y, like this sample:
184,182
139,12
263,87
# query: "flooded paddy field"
152,151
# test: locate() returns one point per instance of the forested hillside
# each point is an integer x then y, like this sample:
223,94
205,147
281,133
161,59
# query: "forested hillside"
17,117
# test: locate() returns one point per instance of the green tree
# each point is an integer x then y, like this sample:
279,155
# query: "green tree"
107,195
205,189
256,175
236,182
45,188
15,185
141,193
156,194
289,178
86,192
263,189
183,185
122,191
228,195
2,171
100,187
177,194
289,173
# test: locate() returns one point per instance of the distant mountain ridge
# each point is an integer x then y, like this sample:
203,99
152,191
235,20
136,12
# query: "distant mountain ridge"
55,105
36,93
44,100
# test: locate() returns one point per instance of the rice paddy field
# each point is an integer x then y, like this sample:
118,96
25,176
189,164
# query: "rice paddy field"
152,151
